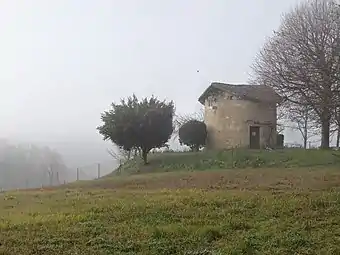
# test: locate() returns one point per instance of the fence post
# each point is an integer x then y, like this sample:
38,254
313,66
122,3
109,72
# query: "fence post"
51,178
232,157
50,175
98,170
77,174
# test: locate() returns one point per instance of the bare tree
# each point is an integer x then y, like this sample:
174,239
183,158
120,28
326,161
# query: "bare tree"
301,60
180,119
337,124
302,119
281,117
120,155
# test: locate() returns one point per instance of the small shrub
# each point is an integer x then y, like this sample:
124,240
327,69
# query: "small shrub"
193,133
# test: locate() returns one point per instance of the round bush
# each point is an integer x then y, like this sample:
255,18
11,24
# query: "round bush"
193,133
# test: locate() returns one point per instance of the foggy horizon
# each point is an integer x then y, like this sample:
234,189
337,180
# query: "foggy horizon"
64,62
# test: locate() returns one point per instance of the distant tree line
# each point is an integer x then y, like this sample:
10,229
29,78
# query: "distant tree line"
26,165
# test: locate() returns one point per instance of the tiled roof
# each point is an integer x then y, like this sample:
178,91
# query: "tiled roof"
260,93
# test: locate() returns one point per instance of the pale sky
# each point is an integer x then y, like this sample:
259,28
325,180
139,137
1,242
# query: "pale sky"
64,61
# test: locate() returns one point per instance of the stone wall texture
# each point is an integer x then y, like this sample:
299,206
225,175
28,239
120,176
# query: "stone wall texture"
228,121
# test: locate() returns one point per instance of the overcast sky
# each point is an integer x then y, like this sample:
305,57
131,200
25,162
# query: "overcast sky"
62,62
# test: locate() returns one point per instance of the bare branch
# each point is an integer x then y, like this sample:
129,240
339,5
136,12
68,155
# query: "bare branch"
182,119
301,61
119,155
302,120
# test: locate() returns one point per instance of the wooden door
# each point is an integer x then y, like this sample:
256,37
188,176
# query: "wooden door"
254,133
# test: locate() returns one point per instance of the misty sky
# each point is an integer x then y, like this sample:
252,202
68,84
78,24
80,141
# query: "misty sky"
64,61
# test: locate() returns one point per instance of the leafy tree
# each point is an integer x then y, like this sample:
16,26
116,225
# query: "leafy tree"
141,125
301,60
193,133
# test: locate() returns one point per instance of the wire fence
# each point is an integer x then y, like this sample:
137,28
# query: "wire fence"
50,177
94,171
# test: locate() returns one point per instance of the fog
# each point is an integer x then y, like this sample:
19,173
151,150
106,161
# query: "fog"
63,62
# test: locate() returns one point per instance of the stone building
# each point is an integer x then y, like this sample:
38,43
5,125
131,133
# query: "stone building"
240,116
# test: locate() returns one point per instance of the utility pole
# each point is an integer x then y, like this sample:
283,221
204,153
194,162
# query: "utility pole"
77,174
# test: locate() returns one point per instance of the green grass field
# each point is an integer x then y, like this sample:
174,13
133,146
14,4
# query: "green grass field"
187,161
268,208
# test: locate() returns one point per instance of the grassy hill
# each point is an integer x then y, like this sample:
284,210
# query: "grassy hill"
203,161
286,203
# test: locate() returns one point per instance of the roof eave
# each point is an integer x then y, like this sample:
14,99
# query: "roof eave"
205,94
214,85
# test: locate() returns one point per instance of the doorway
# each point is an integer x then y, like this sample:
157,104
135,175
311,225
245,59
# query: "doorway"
254,133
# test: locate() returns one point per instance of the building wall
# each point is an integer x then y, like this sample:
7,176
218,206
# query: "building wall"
228,120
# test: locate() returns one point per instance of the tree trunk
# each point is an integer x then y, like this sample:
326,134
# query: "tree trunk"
325,133
145,156
305,132
305,142
195,148
338,137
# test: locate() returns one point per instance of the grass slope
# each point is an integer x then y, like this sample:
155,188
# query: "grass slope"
269,210
187,161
